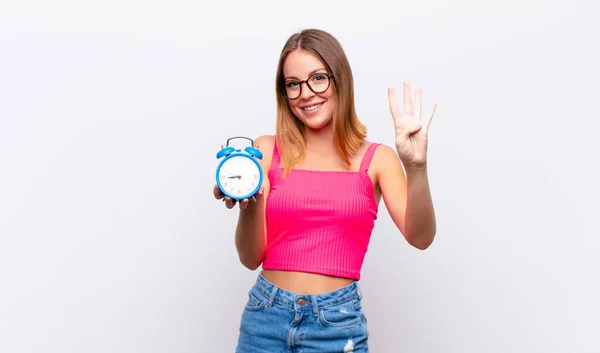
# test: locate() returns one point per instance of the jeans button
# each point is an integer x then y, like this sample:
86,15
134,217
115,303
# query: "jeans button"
301,301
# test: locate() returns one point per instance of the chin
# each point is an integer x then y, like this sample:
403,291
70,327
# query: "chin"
317,121
316,124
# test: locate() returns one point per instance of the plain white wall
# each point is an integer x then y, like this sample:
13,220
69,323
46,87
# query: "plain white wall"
111,114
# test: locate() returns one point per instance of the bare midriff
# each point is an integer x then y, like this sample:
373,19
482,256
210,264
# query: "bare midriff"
305,283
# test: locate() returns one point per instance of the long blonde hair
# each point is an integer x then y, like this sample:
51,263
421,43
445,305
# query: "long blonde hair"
349,132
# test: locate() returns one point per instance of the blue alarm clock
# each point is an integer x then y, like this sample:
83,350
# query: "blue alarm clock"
239,175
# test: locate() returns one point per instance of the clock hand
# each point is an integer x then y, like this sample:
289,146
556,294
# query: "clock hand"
233,175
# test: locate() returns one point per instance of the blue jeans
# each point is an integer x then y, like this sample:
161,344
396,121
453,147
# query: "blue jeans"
278,321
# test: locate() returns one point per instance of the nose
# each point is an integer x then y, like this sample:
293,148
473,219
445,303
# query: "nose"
305,92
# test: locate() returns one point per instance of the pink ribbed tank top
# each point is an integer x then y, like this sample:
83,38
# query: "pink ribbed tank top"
320,221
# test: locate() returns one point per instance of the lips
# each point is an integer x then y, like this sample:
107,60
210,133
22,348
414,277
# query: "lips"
312,108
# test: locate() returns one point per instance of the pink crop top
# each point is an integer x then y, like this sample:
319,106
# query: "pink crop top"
320,221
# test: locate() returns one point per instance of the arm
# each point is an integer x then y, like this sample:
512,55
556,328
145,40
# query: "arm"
420,215
251,232
407,197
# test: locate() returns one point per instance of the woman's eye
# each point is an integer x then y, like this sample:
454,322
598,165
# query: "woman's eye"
291,84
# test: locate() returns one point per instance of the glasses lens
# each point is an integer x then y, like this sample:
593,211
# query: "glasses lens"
319,82
292,89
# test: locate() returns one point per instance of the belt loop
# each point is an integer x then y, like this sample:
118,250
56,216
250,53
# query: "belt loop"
360,296
272,296
315,305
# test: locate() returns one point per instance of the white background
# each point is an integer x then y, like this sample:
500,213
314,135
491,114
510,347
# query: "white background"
111,114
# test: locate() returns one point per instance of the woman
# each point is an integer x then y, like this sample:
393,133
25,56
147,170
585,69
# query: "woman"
309,226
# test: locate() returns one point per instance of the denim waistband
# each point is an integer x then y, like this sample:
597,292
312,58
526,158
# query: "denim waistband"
313,302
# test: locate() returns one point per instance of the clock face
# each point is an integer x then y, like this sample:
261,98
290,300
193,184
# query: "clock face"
239,176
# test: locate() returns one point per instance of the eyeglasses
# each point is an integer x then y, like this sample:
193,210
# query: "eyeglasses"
318,83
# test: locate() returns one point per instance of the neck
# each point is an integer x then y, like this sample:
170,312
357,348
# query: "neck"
321,139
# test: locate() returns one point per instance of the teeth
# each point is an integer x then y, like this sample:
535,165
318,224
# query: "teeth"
313,107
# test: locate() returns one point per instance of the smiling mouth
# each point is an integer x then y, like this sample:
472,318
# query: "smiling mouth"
312,107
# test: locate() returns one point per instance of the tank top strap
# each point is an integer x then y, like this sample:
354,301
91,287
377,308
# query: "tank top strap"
275,160
366,161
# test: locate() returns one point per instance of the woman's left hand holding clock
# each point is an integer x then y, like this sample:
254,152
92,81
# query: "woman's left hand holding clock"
230,203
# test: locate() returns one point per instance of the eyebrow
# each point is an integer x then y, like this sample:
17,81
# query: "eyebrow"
312,72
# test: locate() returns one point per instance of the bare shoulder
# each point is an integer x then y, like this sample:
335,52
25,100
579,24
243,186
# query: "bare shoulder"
392,183
385,160
264,140
265,144
384,154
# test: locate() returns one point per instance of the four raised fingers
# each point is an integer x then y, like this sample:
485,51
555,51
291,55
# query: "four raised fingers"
407,102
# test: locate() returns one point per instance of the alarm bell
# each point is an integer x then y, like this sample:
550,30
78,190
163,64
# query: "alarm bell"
225,152
254,152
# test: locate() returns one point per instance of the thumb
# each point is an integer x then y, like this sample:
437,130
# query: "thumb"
414,128
259,194
405,132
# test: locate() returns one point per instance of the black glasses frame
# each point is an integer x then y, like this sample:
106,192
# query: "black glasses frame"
283,90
